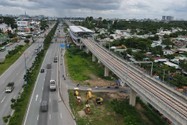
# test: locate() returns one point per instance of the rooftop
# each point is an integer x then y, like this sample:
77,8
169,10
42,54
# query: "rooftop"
77,29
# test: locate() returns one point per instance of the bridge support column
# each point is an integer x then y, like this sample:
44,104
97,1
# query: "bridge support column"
132,100
87,50
106,71
93,58
99,61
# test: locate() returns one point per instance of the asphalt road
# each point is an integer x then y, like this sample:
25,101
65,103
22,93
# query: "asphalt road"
58,113
15,73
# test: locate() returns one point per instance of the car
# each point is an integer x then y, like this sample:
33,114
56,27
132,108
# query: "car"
44,106
52,85
42,70
9,88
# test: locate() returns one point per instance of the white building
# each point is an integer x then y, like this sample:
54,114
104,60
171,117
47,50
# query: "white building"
4,27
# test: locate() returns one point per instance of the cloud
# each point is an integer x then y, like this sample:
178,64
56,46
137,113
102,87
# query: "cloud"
96,8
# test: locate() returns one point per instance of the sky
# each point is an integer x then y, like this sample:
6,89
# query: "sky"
124,9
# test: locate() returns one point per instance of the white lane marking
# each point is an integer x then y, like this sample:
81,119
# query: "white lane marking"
50,100
49,116
42,89
34,91
61,115
3,99
36,97
37,117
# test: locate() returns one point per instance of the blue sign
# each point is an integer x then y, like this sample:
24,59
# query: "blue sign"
62,45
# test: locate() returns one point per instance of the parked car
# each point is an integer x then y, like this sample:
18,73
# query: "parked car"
9,88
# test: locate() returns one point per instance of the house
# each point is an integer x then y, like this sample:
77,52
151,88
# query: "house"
172,64
160,60
168,52
156,43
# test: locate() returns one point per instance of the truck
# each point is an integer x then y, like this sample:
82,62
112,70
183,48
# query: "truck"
9,88
52,85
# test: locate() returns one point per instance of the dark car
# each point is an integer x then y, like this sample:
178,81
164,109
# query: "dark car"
9,88
44,106
42,70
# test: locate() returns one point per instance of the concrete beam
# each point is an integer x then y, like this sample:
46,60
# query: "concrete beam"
106,71
132,100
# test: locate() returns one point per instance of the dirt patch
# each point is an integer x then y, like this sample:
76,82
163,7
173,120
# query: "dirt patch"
99,82
118,96
81,113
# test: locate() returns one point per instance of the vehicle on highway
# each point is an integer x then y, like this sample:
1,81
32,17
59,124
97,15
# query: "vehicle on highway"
9,88
48,66
52,85
42,71
44,106
55,59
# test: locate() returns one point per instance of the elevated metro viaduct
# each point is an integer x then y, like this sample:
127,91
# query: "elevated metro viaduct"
170,103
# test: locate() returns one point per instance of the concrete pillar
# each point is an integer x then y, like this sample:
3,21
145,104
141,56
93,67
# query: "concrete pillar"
106,71
87,50
132,100
99,61
80,47
93,58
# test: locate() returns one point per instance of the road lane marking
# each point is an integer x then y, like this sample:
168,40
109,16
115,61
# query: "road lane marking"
61,115
3,99
50,100
37,117
36,97
25,120
42,89
49,116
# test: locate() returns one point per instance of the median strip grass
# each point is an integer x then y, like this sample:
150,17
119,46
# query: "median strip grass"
11,59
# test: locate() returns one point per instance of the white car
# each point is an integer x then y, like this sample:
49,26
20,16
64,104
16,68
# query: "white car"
52,85
9,88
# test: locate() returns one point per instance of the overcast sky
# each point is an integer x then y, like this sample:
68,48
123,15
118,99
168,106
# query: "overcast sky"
97,8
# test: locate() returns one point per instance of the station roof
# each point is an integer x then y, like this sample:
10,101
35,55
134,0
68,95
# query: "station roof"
77,29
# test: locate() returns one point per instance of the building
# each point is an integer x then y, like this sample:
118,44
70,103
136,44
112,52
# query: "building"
76,32
167,18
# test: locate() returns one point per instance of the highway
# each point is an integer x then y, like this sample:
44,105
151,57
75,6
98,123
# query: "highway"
170,102
15,73
58,113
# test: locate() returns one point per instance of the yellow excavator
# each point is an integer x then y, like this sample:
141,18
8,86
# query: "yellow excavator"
99,100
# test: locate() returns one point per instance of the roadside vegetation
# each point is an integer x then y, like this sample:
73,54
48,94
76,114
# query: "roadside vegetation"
20,104
12,57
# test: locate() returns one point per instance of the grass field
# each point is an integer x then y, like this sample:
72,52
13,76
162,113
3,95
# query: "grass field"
80,67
